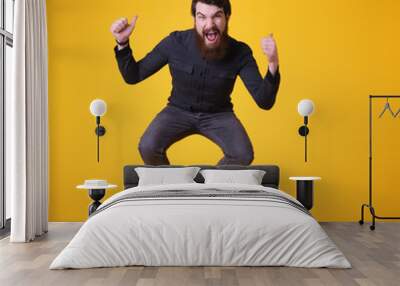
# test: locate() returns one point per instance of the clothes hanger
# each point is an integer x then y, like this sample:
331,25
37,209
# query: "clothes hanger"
397,113
387,107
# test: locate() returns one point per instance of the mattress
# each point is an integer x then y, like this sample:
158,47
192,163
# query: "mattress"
201,225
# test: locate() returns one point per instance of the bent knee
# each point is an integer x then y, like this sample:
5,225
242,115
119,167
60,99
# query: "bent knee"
148,146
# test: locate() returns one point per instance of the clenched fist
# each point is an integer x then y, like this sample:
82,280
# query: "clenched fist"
122,30
269,48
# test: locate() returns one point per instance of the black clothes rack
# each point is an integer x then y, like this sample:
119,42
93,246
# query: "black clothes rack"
369,205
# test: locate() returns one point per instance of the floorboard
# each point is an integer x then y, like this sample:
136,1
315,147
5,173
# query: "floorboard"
374,255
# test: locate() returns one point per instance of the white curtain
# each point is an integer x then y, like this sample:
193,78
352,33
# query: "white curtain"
27,124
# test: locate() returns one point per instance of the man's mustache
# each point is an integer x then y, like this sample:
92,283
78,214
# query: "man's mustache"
211,30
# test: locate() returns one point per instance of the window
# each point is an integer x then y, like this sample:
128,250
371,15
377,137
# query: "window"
6,62
9,15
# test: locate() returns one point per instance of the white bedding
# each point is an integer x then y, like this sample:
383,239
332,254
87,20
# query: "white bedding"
202,231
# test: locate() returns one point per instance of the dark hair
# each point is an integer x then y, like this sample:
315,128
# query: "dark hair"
224,4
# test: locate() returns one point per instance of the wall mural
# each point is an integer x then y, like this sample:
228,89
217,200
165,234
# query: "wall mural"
204,63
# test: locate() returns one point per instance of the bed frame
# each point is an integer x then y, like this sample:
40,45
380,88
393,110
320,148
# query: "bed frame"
271,177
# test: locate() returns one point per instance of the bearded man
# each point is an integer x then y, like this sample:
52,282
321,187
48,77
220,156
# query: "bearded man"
204,63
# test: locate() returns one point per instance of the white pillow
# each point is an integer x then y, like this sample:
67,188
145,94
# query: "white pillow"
162,176
248,177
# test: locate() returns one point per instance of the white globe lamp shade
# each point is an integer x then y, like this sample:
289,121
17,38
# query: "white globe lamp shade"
98,107
305,107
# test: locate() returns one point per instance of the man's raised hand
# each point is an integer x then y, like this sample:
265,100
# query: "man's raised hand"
122,30
269,48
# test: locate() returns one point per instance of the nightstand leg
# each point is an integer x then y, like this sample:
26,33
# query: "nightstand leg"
305,193
93,207
96,195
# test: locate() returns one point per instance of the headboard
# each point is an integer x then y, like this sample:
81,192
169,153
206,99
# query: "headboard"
271,177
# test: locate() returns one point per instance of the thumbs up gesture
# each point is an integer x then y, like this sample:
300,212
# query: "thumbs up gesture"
122,29
269,48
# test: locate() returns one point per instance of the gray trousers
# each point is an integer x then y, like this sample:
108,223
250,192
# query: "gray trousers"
173,124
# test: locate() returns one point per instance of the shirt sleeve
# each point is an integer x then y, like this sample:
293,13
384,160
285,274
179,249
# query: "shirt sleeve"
263,90
134,72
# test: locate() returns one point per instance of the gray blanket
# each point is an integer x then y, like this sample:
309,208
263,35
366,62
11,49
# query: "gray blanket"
203,194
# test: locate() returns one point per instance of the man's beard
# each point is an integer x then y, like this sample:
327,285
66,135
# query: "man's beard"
214,53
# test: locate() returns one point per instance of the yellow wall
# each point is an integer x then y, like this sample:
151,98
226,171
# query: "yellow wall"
334,52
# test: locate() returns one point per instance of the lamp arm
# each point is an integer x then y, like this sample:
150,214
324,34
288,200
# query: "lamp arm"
98,137
305,137
305,148
98,142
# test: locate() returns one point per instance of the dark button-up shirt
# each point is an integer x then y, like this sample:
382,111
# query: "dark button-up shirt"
199,85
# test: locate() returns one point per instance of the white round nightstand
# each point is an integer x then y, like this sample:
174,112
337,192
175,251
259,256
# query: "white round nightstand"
97,190
305,190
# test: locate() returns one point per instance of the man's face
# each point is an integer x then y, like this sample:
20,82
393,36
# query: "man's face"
211,23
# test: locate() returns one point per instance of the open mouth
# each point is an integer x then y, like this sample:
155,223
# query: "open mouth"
212,36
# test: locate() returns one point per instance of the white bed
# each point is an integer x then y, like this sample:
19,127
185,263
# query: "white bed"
250,226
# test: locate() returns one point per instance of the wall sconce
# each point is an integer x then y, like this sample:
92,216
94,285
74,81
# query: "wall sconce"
305,108
98,108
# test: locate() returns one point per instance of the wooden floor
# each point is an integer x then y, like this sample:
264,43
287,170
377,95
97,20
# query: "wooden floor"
375,257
